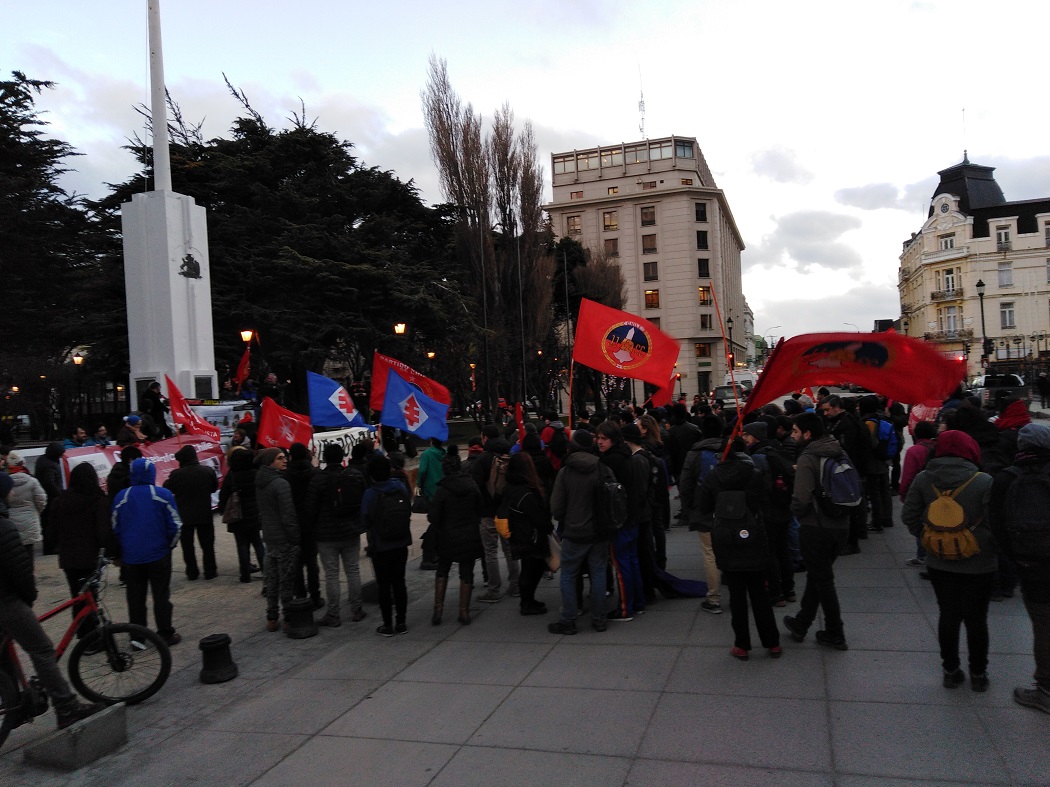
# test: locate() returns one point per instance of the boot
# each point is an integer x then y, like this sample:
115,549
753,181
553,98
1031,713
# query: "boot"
465,589
440,583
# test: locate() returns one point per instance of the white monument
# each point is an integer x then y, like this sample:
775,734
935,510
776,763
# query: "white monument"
167,273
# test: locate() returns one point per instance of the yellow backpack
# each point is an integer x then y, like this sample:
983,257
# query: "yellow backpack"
947,533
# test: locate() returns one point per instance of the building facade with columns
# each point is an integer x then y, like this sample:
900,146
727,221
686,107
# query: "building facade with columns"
975,279
653,207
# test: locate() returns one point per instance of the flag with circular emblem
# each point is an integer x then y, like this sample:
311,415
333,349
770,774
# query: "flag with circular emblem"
620,343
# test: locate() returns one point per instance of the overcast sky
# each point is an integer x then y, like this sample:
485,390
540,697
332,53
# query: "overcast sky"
824,122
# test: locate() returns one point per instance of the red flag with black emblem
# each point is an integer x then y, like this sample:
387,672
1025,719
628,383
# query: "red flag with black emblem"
622,344
279,428
381,366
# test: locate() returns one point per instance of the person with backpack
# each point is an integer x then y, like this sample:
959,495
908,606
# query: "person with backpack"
732,497
700,460
779,474
387,513
1019,505
555,440
948,506
333,509
614,454
915,460
240,511
524,506
573,506
822,531
652,442
454,514
876,473
842,424
490,474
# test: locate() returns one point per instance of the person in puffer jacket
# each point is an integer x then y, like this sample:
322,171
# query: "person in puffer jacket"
280,529
146,524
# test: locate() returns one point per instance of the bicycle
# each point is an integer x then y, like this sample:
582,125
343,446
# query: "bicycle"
116,662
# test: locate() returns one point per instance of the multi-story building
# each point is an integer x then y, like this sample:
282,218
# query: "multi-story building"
979,269
653,206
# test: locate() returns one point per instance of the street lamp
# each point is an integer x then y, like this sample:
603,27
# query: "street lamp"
729,326
984,334
399,328
78,359
246,335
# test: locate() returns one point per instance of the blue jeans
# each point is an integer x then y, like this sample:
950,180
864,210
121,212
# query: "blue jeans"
628,571
572,557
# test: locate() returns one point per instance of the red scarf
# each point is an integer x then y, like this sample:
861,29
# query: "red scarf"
1014,416
12,469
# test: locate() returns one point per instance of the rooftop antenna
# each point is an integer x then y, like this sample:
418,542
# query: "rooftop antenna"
641,104
965,160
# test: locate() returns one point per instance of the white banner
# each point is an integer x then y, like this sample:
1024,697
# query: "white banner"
345,438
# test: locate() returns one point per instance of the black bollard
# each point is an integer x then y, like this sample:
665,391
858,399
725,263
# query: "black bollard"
218,666
299,617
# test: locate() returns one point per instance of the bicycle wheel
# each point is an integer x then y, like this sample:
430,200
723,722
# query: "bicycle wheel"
10,707
120,662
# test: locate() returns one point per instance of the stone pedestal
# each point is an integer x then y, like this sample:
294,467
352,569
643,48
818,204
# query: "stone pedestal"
81,743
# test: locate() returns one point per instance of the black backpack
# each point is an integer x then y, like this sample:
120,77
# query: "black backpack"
737,536
1026,514
782,476
391,516
559,444
610,504
345,491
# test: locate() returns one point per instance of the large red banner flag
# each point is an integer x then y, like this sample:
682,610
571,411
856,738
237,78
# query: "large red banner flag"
899,367
181,413
244,368
279,428
622,344
381,366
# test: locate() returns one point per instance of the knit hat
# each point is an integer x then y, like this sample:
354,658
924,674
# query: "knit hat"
1031,437
632,434
952,442
582,440
757,429
267,455
132,420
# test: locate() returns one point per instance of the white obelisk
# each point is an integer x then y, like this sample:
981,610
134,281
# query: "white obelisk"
166,268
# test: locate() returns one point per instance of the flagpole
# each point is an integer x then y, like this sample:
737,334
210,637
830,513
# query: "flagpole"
728,350
571,363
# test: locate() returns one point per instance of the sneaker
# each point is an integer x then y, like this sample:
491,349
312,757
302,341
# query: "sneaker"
400,628
710,606
514,593
358,616
599,625
739,653
174,638
831,641
953,680
795,629
385,631
75,711
619,616
776,652
874,528
1033,698
979,683
491,597
567,627
332,621
918,562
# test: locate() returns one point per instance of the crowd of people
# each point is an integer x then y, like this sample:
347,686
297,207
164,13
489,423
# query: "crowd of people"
524,500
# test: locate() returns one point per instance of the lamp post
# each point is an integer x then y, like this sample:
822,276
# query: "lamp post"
246,335
984,334
857,329
400,328
730,355
78,359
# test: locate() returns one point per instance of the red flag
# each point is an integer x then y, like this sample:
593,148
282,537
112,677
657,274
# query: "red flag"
243,368
662,396
619,343
381,365
905,369
182,413
279,428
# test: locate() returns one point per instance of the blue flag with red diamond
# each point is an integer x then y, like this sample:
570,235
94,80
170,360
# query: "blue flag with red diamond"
412,411
330,404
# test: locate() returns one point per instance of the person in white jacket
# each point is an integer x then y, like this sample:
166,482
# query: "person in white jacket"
25,503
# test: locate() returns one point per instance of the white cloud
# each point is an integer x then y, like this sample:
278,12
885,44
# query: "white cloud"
781,165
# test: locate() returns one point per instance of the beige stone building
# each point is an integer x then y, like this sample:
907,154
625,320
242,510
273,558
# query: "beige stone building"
975,242
653,205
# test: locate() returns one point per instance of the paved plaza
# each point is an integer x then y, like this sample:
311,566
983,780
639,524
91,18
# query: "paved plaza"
657,701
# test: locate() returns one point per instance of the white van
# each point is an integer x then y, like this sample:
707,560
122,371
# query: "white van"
745,378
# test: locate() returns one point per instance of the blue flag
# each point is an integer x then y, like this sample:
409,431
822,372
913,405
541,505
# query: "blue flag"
412,411
330,404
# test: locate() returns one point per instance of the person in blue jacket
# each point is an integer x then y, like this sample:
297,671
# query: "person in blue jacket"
146,524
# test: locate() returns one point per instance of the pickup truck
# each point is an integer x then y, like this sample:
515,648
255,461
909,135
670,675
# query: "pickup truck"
990,388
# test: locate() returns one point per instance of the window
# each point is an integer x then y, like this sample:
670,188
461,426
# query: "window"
649,216
572,225
610,220
654,320
1006,315
650,271
636,154
652,299
705,322
701,211
687,181
563,164
945,242
1048,270
1046,230
705,296
612,247
614,189
575,195
659,150
587,160
1006,274
946,279
683,149
703,350
1002,238
948,319
703,269
701,239
612,158
649,184
648,244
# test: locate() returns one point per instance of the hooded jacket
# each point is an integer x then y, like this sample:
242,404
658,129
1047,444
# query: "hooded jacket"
273,496
145,518
737,474
455,516
25,503
479,470
572,501
16,570
80,517
241,479
807,482
430,471
690,477
529,519
49,469
326,525
368,503
192,484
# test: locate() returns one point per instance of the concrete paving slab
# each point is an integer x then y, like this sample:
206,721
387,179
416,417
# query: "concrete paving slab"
585,721
887,631
865,577
913,742
797,674
495,663
304,707
882,599
574,664
1023,742
378,659
848,780
482,766
658,773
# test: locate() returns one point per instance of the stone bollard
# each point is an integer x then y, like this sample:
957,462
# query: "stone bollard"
218,666
299,617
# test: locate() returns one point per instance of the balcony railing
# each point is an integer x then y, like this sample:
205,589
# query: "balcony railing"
947,295
949,336
1003,245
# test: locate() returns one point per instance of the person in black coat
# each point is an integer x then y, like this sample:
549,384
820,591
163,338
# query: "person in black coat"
525,507
454,514
532,446
192,484
300,472
245,529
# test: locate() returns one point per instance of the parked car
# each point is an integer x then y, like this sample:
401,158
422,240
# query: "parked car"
990,388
